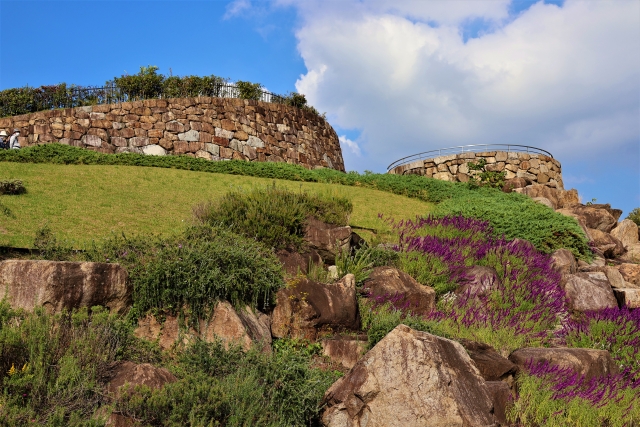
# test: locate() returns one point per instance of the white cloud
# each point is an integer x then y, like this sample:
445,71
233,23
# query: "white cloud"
566,79
351,145
236,7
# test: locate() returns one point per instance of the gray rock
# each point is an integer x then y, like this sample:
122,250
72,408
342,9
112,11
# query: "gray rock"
627,232
154,150
585,361
190,136
589,291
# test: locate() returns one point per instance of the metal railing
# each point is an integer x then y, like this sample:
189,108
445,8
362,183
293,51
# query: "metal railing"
467,149
113,94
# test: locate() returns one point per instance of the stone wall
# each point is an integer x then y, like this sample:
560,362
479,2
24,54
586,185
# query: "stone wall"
537,168
210,128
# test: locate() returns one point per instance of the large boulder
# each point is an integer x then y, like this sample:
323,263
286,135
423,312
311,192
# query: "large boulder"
605,243
502,398
599,217
513,183
589,291
387,282
630,272
410,379
243,327
478,280
627,232
306,307
492,366
558,198
628,297
587,362
564,261
616,280
64,285
633,253
328,240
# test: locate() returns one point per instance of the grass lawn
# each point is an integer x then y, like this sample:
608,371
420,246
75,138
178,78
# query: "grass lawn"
82,203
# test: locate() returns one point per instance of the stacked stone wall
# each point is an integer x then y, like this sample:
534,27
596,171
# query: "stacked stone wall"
537,168
210,128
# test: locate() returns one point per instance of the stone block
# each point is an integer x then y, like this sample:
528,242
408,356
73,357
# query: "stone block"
190,136
628,297
92,140
154,150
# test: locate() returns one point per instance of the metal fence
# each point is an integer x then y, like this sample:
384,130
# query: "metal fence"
468,149
113,94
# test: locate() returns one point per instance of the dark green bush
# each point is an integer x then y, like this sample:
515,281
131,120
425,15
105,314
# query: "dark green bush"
189,273
13,186
248,90
274,216
144,85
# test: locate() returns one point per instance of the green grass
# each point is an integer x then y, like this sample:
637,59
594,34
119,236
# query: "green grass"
85,202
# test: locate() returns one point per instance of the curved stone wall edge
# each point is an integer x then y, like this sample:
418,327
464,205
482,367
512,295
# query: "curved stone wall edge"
538,168
211,128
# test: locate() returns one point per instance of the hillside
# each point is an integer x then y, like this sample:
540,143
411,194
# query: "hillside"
80,203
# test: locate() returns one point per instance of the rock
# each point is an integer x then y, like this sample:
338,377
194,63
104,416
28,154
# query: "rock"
630,273
544,201
587,362
190,136
323,237
391,282
332,272
589,291
240,328
305,308
615,278
633,253
154,150
203,154
501,397
595,216
627,232
564,261
137,374
243,328
513,183
410,379
296,263
628,297
64,285
492,366
478,280
605,243
344,350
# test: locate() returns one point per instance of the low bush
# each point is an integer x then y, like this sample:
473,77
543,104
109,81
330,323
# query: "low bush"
12,187
52,367
512,215
189,273
274,216
234,388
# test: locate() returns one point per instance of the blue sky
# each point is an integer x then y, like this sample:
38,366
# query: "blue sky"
394,77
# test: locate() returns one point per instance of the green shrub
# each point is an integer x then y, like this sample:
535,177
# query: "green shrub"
233,388
248,90
634,216
189,273
427,270
358,263
480,176
52,367
146,84
12,187
274,216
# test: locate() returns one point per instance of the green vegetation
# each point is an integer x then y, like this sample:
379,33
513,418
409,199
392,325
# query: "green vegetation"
81,203
274,216
512,215
480,176
52,375
146,84
13,187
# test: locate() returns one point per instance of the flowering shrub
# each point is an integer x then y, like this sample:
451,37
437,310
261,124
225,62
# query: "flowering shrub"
553,396
612,329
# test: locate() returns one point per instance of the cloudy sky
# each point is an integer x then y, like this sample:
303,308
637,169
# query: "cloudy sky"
395,77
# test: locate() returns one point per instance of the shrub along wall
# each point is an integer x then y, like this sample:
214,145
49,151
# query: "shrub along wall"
210,128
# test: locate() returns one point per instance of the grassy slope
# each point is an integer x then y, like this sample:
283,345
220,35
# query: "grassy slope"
81,203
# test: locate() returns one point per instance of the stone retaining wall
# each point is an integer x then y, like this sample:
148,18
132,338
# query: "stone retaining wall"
538,168
210,128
